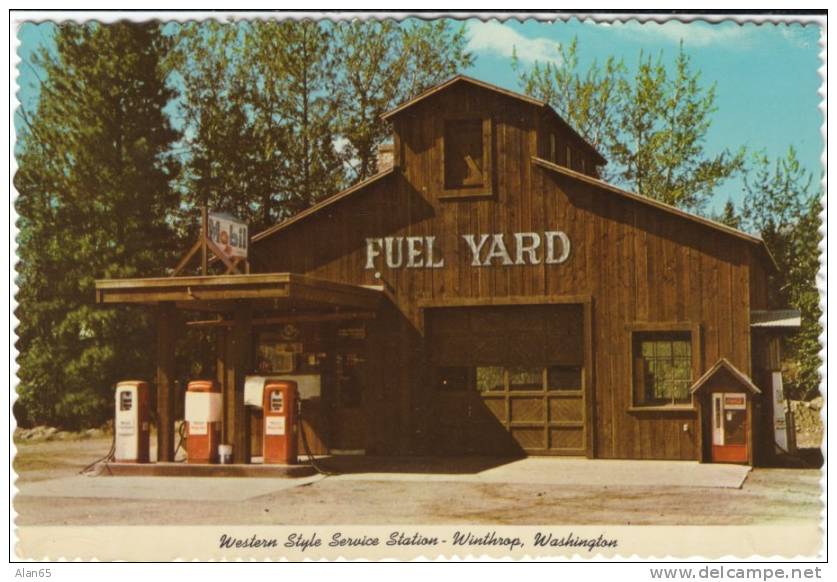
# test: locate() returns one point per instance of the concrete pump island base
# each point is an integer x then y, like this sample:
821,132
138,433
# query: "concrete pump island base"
484,294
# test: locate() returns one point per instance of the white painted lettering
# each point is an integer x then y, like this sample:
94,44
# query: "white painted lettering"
528,249
393,244
498,251
429,260
414,250
373,246
551,259
475,248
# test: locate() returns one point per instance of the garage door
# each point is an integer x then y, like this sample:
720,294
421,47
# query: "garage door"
508,379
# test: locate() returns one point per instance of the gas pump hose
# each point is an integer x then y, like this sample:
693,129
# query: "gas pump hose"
110,453
311,460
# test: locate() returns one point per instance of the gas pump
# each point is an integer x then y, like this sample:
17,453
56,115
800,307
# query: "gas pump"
203,419
131,431
280,422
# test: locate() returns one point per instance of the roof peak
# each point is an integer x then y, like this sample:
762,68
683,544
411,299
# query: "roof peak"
460,77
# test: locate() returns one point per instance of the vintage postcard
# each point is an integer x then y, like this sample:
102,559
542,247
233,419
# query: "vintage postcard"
306,286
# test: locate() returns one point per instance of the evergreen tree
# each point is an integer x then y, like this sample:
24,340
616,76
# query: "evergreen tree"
781,205
729,216
218,145
94,200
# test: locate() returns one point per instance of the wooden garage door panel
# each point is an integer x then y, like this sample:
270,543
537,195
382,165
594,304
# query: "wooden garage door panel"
537,419
566,409
527,409
529,438
496,407
566,438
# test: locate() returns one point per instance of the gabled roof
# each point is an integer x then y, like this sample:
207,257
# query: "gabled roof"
752,239
724,364
325,202
512,94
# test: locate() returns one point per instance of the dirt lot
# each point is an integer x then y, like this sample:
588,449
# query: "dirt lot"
769,496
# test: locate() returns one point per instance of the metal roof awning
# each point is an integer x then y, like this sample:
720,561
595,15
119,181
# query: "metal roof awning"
222,292
776,319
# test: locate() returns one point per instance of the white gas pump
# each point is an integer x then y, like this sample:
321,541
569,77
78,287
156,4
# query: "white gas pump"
131,430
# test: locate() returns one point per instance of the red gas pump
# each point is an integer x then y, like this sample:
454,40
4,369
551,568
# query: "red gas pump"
280,422
203,417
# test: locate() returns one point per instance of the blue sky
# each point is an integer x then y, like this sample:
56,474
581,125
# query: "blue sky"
766,75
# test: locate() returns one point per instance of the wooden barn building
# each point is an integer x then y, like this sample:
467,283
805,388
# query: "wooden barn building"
486,293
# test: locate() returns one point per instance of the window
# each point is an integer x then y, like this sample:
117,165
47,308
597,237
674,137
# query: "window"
662,368
564,378
553,148
126,400
467,156
526,378
512,378
490,379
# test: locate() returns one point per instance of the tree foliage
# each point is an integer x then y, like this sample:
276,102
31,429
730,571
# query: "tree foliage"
383,64
650,123
94,181
137,125
781,205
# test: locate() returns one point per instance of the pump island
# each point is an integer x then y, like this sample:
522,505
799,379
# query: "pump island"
485,293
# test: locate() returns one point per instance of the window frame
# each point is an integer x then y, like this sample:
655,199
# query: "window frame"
636,329
472,382
487,188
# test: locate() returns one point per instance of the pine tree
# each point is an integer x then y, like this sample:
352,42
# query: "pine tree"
781,205
218,144
94,199
729,216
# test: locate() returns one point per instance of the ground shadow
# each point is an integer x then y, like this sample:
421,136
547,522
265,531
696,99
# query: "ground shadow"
426,465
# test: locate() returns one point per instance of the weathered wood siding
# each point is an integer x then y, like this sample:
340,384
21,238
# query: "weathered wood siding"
638,264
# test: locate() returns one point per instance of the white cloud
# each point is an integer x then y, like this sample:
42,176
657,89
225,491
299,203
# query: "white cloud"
692,34
497,38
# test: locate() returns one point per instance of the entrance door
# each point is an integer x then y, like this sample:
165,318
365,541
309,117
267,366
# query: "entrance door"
729,427
348,415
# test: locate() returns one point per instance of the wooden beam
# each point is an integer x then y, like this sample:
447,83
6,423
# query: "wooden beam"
166,340
220,254
240,364
221,376
293,318
188,257
203,240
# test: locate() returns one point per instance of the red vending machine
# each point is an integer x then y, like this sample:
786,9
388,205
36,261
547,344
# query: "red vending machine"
203,418
280,422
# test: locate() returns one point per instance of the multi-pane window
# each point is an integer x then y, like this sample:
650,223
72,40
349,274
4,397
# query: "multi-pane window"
662,368
512,378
